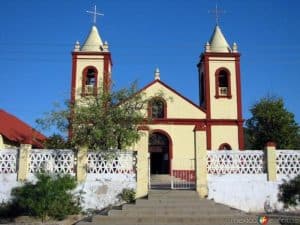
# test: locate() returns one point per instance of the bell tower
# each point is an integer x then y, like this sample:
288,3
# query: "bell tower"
220,92
91,66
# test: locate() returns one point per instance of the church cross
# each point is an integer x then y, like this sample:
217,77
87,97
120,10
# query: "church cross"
95,14
217,12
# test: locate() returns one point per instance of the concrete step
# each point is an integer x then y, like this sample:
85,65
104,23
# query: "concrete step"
173,202
173,207
176,220
169,207
174,212
173,194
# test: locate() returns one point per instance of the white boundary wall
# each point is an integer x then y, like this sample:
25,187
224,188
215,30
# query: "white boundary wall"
239,179
104,182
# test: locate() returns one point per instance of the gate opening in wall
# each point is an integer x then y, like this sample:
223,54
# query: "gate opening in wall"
183,175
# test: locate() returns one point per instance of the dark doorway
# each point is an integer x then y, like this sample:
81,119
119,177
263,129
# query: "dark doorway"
159,153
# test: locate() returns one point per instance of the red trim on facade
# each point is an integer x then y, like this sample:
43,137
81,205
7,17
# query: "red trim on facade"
205,59
73,82
144,127
214,122
106,73
200,127
150,108
241,136
91,53
172,90
170,144
217,73
271,144
225,146
187,175
208,136
84,77
207,87
239,102
222,54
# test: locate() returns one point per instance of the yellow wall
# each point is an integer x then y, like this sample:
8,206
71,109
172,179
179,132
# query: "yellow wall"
82,63
1,142
183,143
223,108
177,106
224,134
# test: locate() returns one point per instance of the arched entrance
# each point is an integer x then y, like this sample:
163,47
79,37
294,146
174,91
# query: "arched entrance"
159,148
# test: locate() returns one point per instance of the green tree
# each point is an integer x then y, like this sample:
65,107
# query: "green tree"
49,197
271,121
56,141
102,122
289,192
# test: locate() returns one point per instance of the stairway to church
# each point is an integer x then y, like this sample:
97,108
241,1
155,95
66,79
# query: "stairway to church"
173,207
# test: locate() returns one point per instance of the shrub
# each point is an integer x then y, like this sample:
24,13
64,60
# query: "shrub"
49,197
128,195
289,192
8,211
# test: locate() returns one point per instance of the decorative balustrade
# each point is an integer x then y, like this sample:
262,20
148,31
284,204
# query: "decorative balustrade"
123,163
8,161
288,162
235,162
57,161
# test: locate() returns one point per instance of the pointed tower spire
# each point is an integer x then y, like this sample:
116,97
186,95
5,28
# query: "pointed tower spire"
218,42
93,42
157,74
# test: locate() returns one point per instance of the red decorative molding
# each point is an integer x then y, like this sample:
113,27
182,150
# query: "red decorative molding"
200,127
241,136
92,53
271,144
187,175
172,90
73,82
187,121
84,77
144,127
106,73
221,54
239,102
150,108
225,146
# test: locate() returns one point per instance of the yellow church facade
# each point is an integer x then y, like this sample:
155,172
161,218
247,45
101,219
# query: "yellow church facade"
175,120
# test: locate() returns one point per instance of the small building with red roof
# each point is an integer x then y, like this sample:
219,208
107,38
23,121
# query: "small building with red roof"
14,132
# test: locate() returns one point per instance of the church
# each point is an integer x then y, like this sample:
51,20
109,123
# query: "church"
175,119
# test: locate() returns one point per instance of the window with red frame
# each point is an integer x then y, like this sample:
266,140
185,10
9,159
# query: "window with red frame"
90,81
157,109
223,88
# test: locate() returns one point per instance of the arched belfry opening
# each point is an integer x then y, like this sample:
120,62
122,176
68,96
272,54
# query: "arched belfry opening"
159,149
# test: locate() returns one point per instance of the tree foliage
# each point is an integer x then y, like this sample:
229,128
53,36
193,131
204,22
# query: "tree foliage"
271,121
289,192
49,197
56,141
106,121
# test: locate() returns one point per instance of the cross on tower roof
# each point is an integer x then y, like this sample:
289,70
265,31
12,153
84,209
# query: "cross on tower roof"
95,14
217,12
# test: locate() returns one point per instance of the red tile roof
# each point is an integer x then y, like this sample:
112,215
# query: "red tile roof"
16,130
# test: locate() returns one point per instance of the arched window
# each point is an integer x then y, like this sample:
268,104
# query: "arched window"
223,85
225,146
89,81
157,108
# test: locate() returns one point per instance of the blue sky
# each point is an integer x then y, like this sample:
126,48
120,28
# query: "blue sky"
37,38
